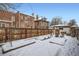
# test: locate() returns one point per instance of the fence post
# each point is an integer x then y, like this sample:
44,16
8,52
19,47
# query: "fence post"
25,33
37,33
31,31
48,31
9,38
21,32
6,33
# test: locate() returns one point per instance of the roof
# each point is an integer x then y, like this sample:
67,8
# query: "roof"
7,11
77,28
41,20
60,25
26,15
74,26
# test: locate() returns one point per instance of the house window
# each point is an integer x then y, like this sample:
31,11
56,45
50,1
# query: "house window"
3,25
13,18
26,18
61,28
21,17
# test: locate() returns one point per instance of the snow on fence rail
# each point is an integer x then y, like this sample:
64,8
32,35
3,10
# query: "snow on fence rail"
10,34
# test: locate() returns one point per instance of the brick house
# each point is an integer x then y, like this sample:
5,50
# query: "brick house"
41,24
16,20
24,21
7,19
20,20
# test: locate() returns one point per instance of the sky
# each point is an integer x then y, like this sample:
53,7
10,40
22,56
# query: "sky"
65,10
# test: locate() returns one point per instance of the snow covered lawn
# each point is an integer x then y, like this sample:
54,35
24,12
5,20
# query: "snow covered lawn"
58,40
16,43
71,47
44,47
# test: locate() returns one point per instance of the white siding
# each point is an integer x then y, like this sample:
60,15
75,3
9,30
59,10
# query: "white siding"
67,30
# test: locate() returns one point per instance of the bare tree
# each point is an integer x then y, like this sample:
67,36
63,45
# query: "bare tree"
56,21
72,22
44,18
9,6
5,6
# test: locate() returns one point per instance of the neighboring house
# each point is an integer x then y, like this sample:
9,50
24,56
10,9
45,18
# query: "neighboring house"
61,27
16,20
73,30
41,24
20,20
7,19
77,33
70,30
24,21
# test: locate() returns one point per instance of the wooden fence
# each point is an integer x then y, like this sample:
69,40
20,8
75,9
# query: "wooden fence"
10,34
77,33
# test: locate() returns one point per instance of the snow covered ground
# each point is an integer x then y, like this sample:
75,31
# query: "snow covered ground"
65,46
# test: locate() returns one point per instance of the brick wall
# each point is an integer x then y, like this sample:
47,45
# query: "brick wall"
24,21
20,20
17,20
40,24
6,18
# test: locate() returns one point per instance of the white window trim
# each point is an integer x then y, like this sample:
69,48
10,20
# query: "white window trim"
5,21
